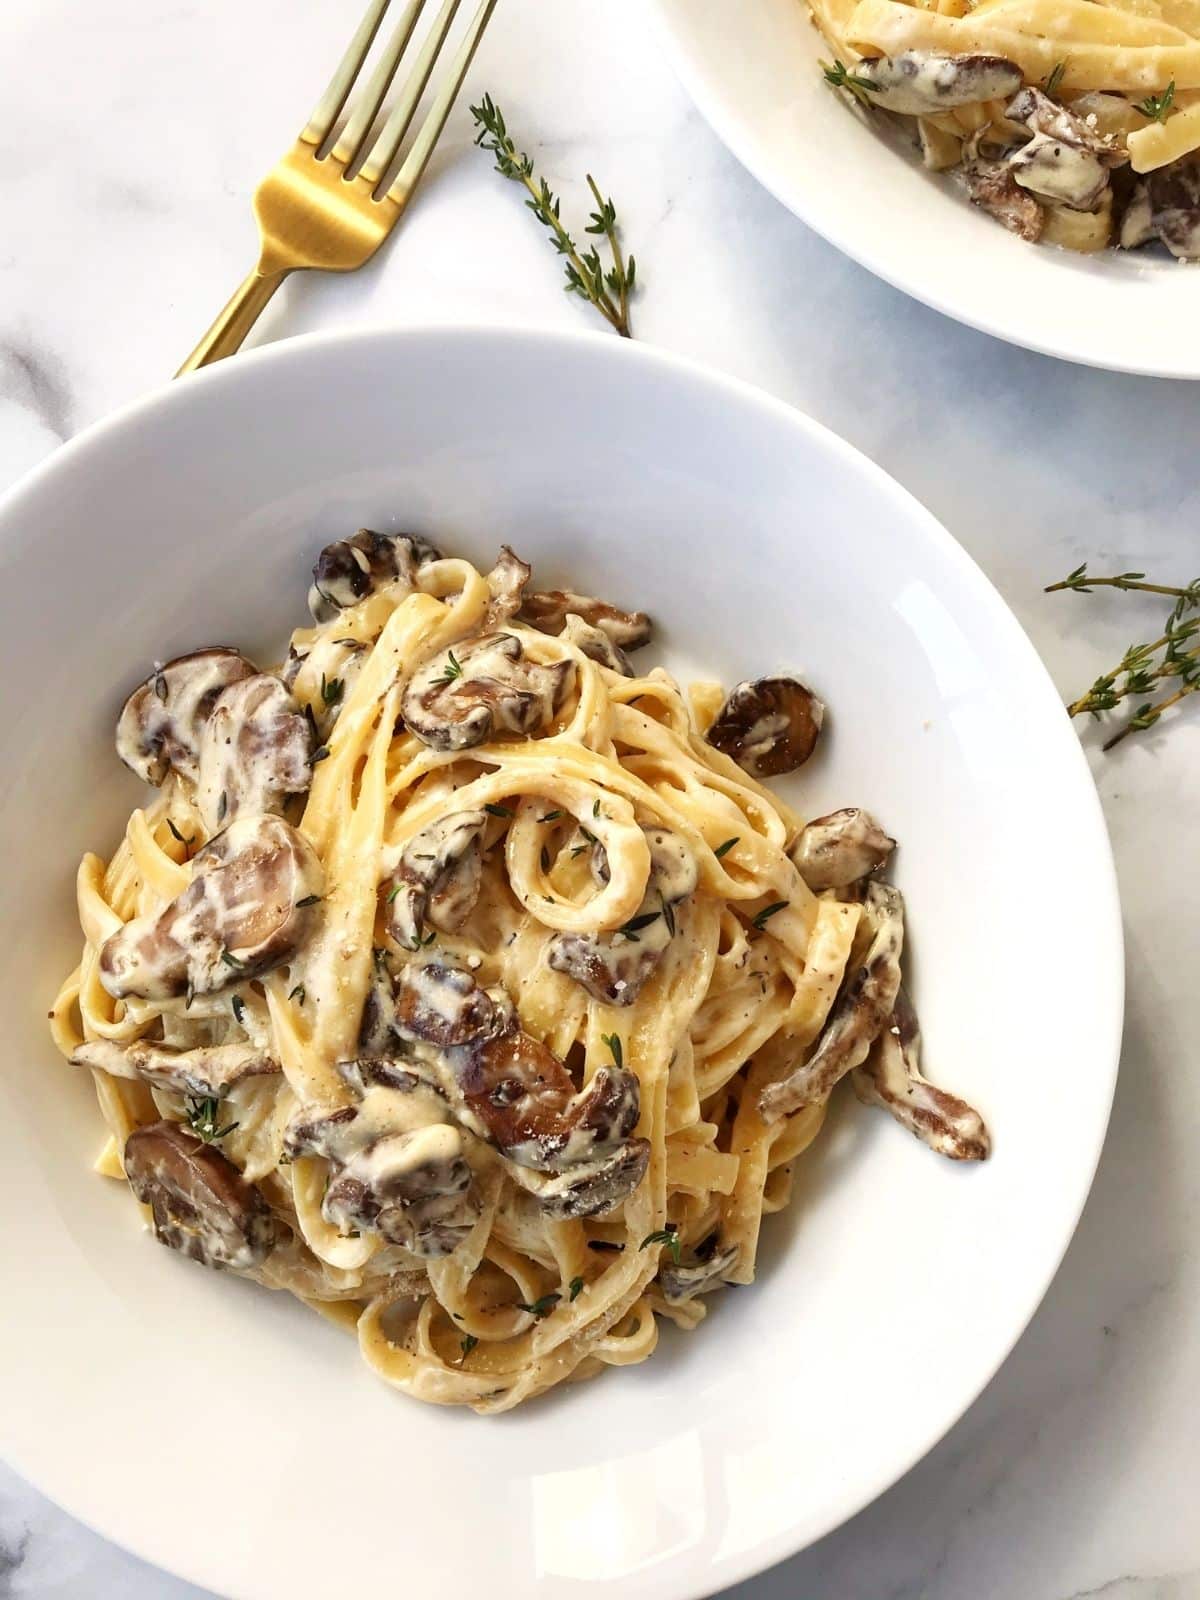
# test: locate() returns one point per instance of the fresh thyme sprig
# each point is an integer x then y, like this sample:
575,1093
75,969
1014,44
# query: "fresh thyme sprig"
1052,82
609,291
1173,656
203,1115
839,76
1156,106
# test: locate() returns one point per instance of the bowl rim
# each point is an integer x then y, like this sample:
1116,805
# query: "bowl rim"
1110,966
745,149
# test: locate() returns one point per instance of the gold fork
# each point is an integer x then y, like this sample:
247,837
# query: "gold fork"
331,209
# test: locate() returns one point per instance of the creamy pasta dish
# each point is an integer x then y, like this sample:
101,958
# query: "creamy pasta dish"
1072,122
468,983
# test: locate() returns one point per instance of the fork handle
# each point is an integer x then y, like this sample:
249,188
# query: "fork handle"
230,328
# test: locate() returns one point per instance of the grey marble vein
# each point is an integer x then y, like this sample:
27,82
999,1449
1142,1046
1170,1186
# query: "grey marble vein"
35,379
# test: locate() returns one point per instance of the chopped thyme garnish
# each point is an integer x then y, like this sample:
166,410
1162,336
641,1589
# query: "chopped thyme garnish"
613,1041
469,1341
767,912
332,690
1156,106
299,994
634,926
202,1115
551,816
668,1236
230,960
576,1287
453,668
239,1007
724,849
309,900
497,811
540,1308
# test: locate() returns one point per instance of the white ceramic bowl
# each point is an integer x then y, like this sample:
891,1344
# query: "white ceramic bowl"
753,71
233,1437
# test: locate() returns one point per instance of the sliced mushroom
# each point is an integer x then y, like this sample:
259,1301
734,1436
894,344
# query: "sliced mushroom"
614,967
202,1206
376,1034
835,851
1042,115
325,674
994,189
549,610
1059,172
399,1166
596,645
469,693
506,585
858,1016
254,752
351,569
768,726
593,1187
1175,206
249,908
437,877
919,83
1137,224
891,1077
208,1071
700,1276
161,723
506,1086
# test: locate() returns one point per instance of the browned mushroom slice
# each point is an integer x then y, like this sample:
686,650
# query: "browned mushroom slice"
509,1088
1042,115
254,752
437,877
1175,206
891,1077
615,967
690,1278
994,189
1059,172
548,612
768,726
469,693
835,851
410,1188
208,1071
249,908
1137,223
202,1206
920,83
594,1187
858,1016
400,1169
161,723
351,569
596,645
506,585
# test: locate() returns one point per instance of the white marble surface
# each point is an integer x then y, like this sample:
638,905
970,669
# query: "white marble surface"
1075,1474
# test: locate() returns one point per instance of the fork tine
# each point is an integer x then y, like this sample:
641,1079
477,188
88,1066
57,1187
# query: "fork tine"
327,108
417,158
383,152
367,106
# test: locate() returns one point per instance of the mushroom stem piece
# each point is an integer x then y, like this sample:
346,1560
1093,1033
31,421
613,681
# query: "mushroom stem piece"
858,1016
891,1077
549,610
208,1071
